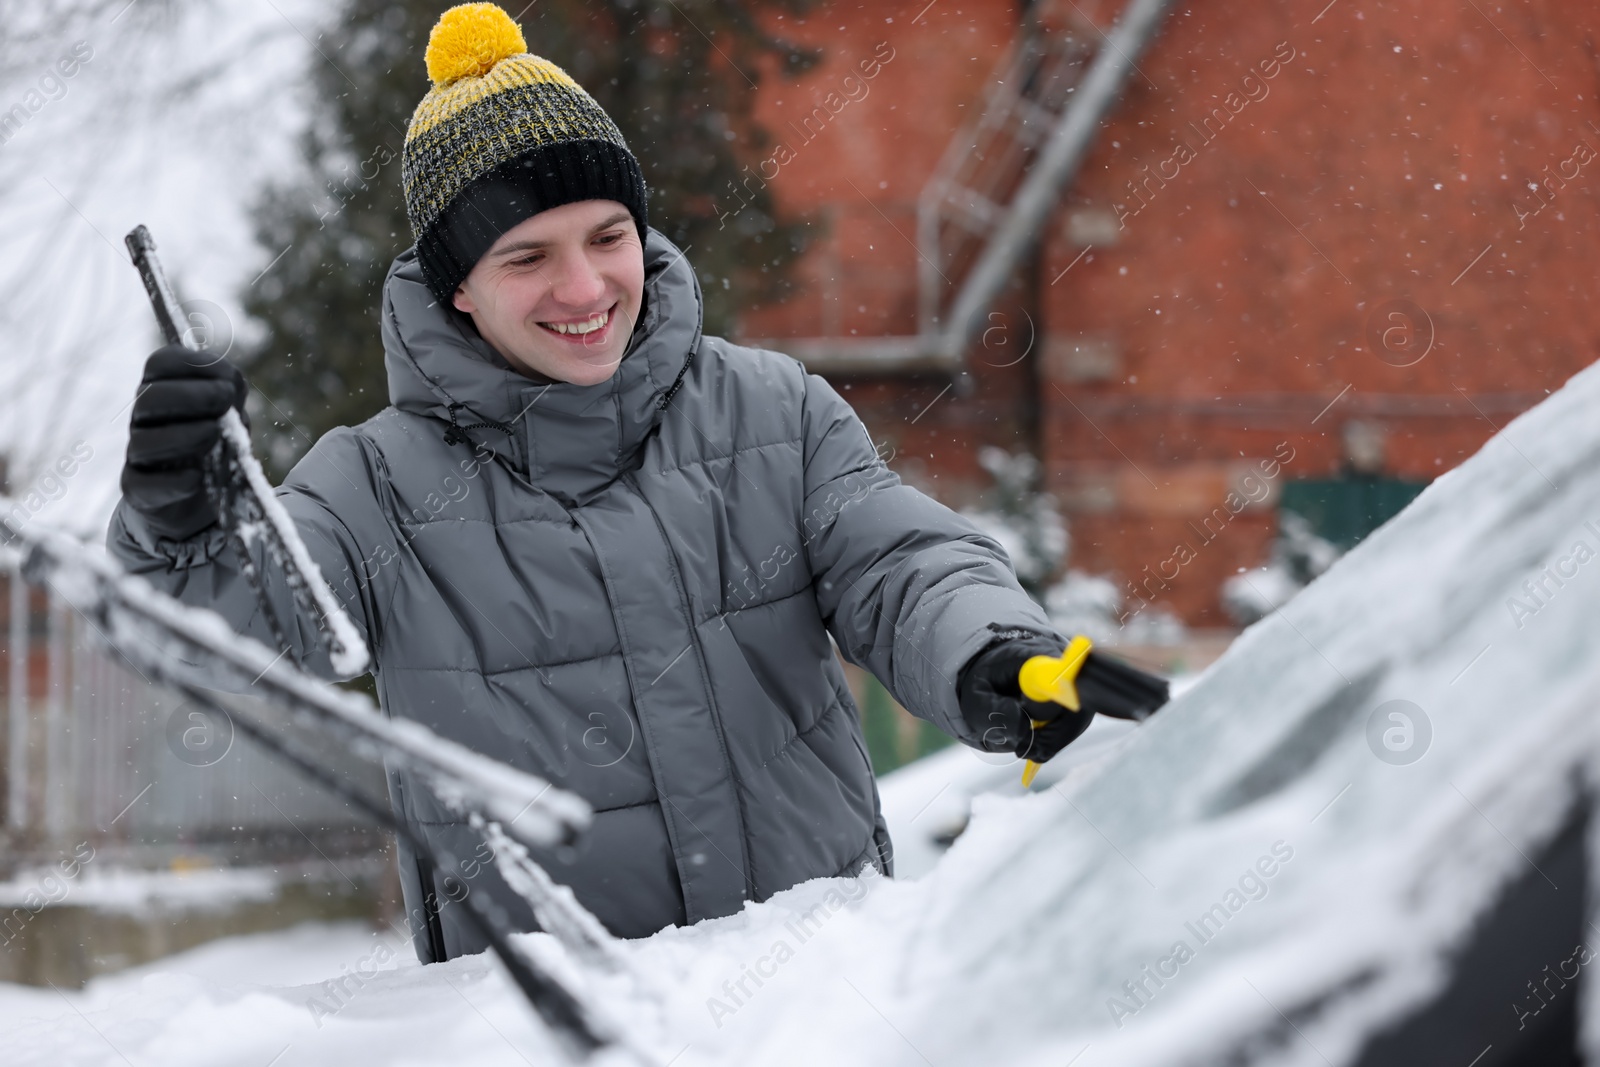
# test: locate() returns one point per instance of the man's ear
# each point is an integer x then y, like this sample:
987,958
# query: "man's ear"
462,301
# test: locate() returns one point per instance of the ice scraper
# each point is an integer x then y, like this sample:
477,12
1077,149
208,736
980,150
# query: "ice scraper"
1113,687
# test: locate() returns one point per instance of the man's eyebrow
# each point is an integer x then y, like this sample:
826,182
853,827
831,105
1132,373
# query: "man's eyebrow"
528,246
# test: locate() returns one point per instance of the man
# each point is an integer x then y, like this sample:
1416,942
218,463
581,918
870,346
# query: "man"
595,544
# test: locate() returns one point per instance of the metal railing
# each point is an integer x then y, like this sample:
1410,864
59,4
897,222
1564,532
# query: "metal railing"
96,753
969,193
984,206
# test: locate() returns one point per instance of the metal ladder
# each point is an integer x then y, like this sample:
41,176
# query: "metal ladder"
971,190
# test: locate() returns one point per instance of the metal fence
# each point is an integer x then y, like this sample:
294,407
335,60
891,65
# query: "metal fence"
95,752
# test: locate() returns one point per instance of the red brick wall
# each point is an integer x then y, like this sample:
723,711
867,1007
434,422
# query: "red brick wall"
1246,291
859,180
858,174
1374,167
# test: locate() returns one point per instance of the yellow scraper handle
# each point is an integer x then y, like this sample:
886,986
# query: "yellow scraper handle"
1053,678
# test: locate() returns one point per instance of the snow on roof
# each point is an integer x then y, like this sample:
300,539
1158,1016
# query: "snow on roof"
1285,858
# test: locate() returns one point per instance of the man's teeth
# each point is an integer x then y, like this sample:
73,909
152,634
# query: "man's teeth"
579,327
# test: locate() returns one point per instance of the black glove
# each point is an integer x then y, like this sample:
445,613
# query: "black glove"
175,425
992,702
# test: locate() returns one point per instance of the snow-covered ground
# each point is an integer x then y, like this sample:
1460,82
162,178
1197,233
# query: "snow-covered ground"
137,892
238,1000
1306,833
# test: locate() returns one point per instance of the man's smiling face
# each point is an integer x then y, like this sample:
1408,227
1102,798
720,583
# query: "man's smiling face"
558,294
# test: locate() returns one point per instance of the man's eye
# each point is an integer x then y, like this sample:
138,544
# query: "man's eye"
611,238
527,261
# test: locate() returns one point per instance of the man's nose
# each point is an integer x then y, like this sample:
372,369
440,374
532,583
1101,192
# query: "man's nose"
578,284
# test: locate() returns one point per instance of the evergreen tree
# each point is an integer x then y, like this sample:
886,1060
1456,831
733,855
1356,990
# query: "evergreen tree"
676,76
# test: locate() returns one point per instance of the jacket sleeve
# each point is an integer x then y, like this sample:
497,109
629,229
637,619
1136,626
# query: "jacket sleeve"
909,589
326,492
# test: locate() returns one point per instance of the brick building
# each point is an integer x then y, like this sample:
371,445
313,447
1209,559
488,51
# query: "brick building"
1294,244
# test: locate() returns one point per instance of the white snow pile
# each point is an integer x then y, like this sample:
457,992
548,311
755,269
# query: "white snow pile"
1283,842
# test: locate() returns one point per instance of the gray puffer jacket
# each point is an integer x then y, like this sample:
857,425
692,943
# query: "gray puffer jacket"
628,589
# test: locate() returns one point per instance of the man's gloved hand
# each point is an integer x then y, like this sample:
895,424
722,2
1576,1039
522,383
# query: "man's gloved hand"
992,702
175,424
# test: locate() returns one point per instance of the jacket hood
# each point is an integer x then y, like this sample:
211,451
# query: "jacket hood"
569,440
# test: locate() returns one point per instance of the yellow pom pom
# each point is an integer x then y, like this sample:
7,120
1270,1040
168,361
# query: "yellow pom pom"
468,40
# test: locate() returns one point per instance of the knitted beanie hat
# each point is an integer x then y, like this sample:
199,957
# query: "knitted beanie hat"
501,136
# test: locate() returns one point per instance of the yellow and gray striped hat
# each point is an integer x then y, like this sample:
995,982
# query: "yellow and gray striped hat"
501,136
